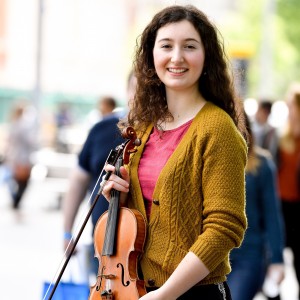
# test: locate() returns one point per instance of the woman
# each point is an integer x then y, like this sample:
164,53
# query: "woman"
289,175
187,177
261,253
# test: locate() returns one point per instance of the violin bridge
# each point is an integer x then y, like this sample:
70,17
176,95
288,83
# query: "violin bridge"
109,276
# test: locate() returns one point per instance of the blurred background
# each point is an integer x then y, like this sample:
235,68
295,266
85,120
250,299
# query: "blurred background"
69,53
61,56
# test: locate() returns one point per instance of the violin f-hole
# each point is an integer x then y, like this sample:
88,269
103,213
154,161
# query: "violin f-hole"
122,276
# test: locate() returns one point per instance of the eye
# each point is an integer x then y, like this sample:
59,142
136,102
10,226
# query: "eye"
166,46
189,46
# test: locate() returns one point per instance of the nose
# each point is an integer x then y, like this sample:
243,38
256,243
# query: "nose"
177,56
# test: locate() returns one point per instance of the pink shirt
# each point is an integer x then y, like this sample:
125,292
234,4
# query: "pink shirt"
158,149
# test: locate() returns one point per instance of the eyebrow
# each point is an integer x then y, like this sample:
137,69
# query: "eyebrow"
186,40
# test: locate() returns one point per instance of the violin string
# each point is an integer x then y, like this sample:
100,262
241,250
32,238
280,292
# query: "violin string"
74,235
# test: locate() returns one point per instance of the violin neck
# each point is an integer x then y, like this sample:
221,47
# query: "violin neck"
112,219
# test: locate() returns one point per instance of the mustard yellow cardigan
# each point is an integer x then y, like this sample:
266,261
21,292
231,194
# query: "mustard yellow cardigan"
198,201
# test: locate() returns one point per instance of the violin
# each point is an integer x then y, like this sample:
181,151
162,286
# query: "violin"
119,238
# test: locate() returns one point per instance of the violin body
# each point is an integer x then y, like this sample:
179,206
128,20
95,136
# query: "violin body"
117,277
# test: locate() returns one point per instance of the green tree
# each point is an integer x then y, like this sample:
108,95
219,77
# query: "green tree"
288,42
246,26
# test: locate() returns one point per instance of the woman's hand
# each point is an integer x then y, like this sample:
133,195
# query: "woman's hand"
120,184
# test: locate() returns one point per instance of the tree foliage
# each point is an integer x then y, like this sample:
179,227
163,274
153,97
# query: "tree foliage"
289,12
247,24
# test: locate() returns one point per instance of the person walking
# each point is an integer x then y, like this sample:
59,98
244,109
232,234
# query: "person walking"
289,174
21,143
187,177
261,253
266,135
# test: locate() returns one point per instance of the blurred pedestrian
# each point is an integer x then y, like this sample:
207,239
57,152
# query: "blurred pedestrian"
105,105
21,143
266,135
289,175
63,119
187,176
103,137
261,253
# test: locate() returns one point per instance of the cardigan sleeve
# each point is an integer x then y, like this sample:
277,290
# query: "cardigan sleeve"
223,188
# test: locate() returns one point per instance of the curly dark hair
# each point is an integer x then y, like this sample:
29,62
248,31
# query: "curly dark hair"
215,83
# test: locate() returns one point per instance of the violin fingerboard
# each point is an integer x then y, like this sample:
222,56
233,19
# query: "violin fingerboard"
112,219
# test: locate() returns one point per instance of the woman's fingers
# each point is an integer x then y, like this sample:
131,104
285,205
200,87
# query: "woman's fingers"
125,175
116,182
109,167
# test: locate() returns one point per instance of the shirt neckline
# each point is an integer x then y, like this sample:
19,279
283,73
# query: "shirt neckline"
156,130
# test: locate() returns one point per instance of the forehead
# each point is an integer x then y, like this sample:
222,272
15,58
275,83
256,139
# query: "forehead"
179,30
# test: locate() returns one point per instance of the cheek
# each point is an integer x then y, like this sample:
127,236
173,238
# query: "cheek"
199,61
160,66
158,59
196,68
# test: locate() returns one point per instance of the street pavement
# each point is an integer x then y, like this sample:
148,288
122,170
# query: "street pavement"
31,240
31,244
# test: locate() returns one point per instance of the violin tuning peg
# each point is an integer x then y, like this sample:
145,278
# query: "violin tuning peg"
137,142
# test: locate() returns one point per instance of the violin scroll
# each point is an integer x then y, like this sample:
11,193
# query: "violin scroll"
130,134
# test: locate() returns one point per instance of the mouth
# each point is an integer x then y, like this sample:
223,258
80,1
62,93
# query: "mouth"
177,70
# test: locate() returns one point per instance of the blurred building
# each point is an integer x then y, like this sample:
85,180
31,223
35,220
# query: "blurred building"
53,50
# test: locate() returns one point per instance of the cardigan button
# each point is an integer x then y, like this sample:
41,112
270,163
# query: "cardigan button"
151,282
156,202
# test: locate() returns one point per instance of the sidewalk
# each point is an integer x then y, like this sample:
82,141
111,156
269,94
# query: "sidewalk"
31,246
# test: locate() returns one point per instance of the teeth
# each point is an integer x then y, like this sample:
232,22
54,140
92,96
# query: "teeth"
177,70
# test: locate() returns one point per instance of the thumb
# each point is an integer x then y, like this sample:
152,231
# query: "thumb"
124,174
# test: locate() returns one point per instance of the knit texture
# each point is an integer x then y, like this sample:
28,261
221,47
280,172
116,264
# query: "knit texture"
201,194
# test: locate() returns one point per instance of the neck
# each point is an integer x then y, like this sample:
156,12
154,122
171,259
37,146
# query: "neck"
183,108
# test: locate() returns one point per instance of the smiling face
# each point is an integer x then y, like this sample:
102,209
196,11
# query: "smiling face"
178,55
